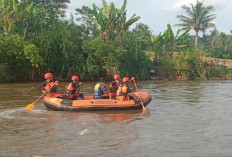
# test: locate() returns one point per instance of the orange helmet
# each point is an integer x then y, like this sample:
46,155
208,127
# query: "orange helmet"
48,75
75,78
116,77
125,79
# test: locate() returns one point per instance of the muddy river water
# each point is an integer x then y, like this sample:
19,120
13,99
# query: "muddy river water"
184,119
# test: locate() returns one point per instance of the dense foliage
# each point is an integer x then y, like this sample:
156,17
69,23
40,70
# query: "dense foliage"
217,44
179,60
96,42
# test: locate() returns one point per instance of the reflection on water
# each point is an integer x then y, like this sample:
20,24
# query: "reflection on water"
185,118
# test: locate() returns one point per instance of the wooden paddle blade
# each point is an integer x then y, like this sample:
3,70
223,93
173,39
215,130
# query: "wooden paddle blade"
144,108
30,106
143,112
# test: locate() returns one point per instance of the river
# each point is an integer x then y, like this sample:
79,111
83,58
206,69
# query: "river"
184,119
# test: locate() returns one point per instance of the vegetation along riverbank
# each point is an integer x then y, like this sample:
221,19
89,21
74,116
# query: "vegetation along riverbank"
36,37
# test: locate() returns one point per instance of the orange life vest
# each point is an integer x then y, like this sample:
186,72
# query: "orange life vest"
122,92
70,87
122,89
49,85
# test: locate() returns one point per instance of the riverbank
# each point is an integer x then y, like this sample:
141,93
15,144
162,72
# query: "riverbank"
192,67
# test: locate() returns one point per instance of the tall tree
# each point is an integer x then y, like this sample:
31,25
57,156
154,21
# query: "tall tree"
198,17
55,8
143,36
82,18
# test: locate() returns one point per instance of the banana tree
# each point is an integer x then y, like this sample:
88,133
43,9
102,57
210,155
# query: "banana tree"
13,11
111,22
166,43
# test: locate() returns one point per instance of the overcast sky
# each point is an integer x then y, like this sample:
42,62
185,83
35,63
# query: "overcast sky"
158,13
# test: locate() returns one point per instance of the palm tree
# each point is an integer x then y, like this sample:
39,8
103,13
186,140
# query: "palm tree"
199,18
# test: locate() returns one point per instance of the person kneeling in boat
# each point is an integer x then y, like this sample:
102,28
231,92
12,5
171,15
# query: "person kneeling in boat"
114,87
70,89
49,85
100,90
124,92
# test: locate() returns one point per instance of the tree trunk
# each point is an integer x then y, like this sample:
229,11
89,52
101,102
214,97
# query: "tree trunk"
196,39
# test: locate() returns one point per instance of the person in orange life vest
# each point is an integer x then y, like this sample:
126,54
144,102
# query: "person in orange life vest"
100,90
70,89
114,87
49,85
124,91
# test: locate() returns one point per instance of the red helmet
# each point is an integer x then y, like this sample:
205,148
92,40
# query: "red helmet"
48,75
116,77
75,78
125,79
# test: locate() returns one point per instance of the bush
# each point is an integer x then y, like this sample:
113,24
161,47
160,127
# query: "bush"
168,65
17,57
188,65
216,72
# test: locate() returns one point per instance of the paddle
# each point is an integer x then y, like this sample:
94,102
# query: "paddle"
138,93
31,106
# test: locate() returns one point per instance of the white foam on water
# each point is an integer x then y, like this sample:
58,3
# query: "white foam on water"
35,114
19,113
7,114
38,111
87,131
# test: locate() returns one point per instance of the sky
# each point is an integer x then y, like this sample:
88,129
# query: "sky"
158,13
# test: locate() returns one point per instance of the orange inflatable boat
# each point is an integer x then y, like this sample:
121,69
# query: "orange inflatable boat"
91,104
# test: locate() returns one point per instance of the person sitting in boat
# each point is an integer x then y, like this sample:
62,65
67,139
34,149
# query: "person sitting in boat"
114,87
123,92
49,85
70,89
100,90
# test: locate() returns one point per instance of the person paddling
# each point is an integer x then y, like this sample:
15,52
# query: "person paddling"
49,85
70,89
100,90
123,92
114,87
